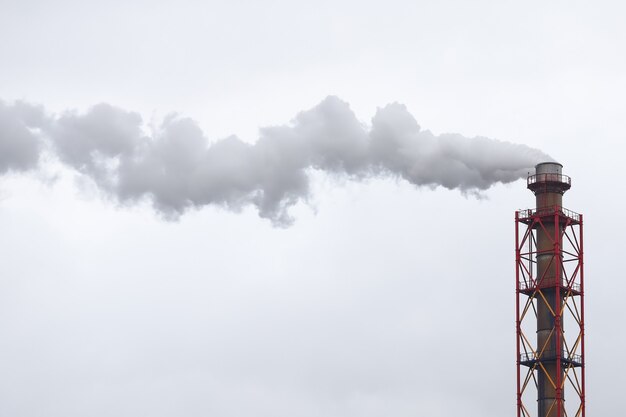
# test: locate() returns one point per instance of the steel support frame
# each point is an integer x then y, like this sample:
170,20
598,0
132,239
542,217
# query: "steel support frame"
568,285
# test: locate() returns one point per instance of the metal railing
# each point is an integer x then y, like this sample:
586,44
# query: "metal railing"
548,177
531,285
550,355
544,211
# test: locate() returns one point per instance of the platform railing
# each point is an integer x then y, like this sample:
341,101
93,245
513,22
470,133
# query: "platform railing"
545,211
549,177
531,285
550,355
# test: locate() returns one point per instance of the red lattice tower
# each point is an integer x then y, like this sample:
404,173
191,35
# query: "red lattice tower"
549,296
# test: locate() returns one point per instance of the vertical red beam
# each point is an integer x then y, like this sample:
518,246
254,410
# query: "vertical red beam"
582,314
557,310
517,318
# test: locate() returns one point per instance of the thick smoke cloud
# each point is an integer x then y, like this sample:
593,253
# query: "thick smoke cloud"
177,168
20,146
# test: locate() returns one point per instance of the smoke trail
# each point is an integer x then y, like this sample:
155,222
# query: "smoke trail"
20,146
177,168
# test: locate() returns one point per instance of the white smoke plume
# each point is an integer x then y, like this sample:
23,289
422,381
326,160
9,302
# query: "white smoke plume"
177,168
20,146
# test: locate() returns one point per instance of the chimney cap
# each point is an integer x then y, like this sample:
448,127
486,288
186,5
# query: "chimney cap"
548,168
549,178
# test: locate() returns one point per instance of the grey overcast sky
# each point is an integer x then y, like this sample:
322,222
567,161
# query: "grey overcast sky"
382,298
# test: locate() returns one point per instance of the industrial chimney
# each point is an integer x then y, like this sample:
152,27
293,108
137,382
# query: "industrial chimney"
549,294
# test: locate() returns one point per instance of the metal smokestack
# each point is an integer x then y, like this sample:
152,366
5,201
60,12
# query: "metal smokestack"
549,260
549,185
